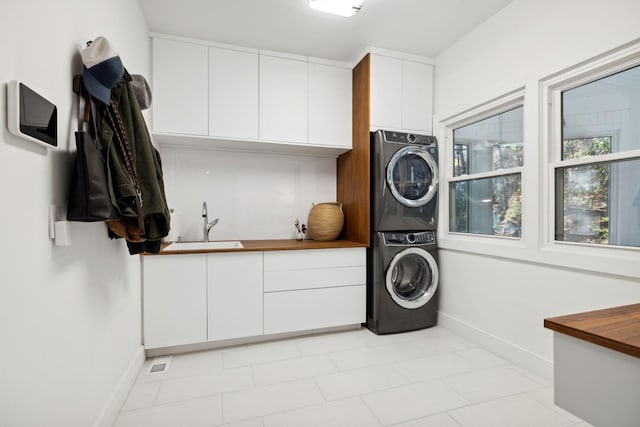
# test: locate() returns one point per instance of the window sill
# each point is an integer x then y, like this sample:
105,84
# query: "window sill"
611,261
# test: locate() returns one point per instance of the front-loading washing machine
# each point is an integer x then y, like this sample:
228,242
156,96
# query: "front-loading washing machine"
404,187
402,292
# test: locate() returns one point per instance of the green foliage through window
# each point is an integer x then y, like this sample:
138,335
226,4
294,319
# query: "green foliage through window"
585,192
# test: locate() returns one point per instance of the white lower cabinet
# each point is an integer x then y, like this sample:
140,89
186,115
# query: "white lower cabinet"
314,308
234,283
314,289
174,300
195,298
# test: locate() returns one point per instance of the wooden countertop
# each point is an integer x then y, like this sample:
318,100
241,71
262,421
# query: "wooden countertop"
272,245
616,328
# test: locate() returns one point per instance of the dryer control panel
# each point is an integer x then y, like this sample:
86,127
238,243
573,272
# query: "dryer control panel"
409,239
409,138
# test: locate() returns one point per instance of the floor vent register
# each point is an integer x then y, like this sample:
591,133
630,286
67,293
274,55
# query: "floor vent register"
159,365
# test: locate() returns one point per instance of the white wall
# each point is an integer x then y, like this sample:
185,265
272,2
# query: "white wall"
500,293
255,195
69,316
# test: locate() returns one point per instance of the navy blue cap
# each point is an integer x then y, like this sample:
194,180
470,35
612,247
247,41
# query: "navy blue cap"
102,69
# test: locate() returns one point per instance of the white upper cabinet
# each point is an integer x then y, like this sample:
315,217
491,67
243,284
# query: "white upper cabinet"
401,94
330,105
233,93
283,99
417,96
180,81
233,97
386,92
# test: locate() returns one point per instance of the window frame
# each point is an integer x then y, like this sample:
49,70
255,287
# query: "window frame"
551,90
502,104
534,246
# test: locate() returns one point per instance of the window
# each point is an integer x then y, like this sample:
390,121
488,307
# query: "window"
597,166
485,190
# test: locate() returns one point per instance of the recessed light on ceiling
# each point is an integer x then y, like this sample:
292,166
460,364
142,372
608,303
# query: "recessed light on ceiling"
337,7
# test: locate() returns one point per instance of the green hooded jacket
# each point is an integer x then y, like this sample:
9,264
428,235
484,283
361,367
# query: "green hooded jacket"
146,162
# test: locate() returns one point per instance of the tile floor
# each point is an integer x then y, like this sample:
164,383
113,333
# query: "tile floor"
427,378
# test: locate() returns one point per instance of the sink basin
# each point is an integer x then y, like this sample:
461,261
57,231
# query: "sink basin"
203,246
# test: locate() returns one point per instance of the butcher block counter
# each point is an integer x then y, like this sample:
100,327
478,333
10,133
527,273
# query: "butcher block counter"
615,328
597,365
271,245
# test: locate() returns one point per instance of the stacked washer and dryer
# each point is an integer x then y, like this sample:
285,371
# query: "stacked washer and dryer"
402,273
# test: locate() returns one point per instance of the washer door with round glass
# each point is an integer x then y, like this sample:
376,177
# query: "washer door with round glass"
412,176
412,278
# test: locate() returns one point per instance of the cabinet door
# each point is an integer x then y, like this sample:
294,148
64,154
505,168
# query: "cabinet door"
329,105
174,300
235,295
180,81
233,93
283,99
386,92
417,96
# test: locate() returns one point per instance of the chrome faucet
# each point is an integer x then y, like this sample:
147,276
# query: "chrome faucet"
207,226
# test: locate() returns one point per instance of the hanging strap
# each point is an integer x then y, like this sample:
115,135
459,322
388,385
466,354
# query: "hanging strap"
94,117
79,89
113,115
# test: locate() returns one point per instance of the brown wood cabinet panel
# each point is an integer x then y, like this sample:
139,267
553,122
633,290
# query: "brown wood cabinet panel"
354,166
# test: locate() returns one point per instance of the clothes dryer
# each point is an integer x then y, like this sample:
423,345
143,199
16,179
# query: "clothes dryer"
404,187
402,292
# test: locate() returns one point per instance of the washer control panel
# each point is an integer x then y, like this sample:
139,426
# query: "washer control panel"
396,238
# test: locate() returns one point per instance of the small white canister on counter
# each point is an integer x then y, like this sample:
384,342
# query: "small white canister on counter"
174,227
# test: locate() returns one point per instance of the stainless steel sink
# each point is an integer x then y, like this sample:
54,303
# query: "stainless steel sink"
203,246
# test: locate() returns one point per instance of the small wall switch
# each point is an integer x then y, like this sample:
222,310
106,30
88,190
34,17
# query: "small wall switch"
52,220
62,233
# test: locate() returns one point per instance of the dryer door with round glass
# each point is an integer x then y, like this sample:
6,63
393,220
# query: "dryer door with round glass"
412,176
412,278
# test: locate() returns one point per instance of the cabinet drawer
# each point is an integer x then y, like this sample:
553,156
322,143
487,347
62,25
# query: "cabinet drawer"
314,308
314,278
313,259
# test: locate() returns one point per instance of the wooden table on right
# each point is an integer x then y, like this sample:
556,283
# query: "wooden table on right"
597,365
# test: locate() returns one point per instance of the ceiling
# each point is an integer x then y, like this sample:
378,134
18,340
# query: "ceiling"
422,27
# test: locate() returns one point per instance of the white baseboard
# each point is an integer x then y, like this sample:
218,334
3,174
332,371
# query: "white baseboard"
111,409
505,349
211,345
